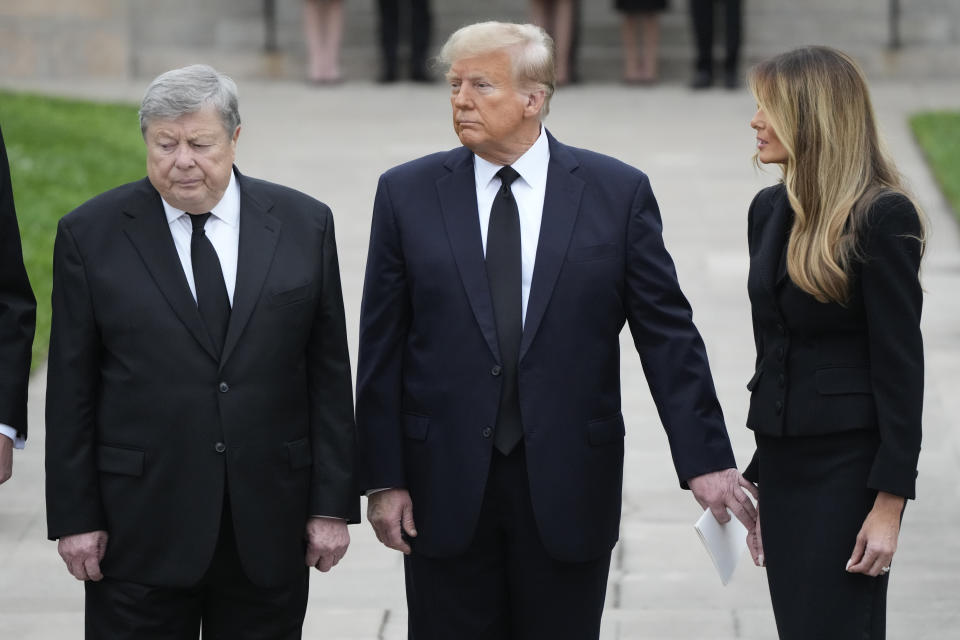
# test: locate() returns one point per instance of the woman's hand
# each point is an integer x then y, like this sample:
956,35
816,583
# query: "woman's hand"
877,540
755,542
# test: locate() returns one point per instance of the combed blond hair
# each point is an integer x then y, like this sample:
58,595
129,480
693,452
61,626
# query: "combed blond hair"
531,49
817,101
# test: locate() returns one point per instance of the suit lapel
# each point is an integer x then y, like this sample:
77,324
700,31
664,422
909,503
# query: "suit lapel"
148,230
458,202
560,207
259,232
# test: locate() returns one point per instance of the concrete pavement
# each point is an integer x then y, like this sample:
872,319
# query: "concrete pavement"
333,143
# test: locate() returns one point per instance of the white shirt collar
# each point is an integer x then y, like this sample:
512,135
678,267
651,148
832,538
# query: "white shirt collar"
532,165
227,210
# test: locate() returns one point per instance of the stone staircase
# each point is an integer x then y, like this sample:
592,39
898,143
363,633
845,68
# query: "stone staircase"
140,38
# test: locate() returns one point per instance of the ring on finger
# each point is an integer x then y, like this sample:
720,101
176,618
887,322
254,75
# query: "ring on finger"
885,569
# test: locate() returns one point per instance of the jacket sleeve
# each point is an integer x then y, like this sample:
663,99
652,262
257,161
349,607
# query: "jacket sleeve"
893,298
333,433
384,323
672,352
73,374
18,311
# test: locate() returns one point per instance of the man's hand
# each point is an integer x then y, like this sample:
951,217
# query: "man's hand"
327,542
6,458
877,540
82,553
388,511
722,490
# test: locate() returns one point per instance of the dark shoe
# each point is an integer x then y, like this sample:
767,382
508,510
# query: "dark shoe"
387,76
702,80
731,80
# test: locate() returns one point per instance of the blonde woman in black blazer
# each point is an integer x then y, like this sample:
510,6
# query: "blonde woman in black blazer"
837,393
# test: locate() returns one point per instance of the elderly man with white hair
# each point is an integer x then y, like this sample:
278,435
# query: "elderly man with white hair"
499,276
200,434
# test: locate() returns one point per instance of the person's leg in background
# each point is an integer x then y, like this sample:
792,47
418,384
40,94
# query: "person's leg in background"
701,12
389,38
421,25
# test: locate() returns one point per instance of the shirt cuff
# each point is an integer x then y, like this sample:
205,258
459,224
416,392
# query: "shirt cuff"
10,432
331,518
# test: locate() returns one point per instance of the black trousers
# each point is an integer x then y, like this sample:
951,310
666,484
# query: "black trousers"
225,604
813,501
702,14
420,21
505,586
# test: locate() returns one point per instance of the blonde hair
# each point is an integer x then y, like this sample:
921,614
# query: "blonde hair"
817,101
531,49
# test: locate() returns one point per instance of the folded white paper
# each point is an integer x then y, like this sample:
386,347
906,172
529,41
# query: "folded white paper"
724,542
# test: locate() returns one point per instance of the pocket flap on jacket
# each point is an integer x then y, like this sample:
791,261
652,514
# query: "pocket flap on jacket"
283,298
416,426
128,462
299,453
840,380
606,430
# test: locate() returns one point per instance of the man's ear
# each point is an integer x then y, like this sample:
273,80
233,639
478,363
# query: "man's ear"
535,101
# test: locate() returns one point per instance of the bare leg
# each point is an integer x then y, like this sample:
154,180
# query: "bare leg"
313,33
332,37
650,26
539,14
628,35
563,37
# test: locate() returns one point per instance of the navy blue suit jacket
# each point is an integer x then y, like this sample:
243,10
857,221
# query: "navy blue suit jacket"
428,389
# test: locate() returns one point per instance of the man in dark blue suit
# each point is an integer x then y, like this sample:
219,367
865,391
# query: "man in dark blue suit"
488,395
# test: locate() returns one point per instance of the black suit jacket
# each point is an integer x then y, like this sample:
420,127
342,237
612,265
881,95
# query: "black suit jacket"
428,386
147,429
18,310
824,367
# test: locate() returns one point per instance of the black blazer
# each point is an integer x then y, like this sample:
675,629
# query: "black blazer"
146,429
18,310
428,383
824,367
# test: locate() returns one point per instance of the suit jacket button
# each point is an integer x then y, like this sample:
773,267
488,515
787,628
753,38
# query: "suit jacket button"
486,432
781,380
778,406
219,447
780,353
223,387
781,329
496,370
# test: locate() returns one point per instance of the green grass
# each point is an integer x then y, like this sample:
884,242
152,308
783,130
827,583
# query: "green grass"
938,133
62,152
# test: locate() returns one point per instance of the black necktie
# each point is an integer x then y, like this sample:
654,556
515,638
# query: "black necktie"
505,276
212,299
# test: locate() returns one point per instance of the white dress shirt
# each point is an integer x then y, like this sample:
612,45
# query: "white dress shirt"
529,191
223,230
10,432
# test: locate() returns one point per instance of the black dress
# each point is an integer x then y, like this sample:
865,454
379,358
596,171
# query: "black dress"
836,402
637,6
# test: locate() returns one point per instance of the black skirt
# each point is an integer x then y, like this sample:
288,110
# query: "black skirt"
813,501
